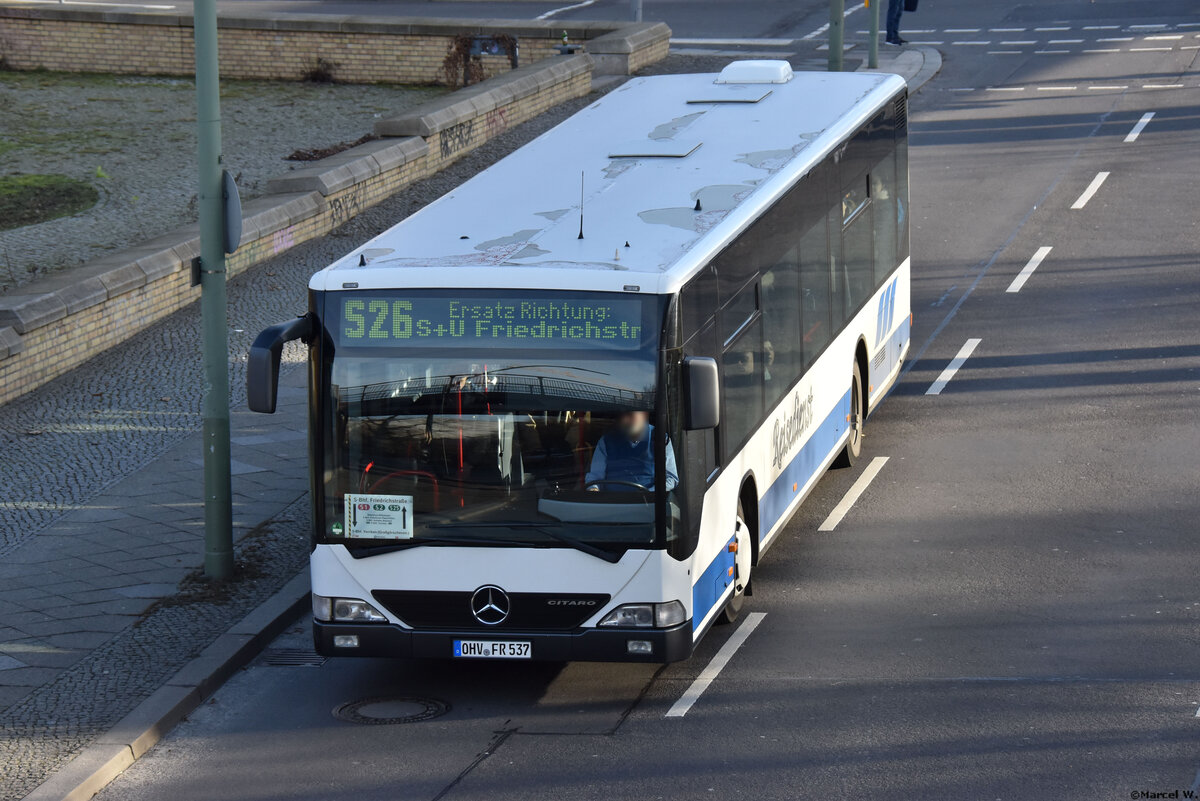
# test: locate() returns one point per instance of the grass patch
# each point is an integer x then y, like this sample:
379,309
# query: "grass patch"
29,199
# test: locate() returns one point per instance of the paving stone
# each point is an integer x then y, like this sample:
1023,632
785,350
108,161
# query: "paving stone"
10,662
147,590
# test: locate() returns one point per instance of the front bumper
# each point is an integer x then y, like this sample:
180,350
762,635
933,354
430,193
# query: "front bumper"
588,645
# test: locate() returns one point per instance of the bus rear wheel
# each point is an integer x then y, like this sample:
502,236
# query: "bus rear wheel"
733,607
857,422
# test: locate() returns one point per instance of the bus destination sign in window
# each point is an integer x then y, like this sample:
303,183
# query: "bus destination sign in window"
615,323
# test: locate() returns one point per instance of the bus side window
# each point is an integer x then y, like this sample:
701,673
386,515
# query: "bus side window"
815,296
742,382
702,458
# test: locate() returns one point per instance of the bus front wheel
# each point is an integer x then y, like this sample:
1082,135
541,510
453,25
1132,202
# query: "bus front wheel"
857,421
741,578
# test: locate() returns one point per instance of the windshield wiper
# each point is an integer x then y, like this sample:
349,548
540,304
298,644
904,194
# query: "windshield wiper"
579,545
403,545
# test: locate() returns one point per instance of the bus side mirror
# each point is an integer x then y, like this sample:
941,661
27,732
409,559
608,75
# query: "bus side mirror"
702,392
262,367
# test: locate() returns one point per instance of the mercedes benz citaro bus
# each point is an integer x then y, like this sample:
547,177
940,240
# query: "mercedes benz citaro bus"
562,412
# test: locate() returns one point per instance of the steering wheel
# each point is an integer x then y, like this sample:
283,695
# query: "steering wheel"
633,484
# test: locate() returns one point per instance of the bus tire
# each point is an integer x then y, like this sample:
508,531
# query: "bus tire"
858,421
733,607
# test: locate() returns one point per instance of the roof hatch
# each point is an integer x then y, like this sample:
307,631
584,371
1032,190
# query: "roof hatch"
654,148
731,93
756,71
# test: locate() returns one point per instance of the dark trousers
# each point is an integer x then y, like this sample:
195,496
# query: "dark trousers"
895,9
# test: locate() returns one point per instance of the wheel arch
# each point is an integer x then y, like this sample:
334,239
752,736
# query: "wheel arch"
748,495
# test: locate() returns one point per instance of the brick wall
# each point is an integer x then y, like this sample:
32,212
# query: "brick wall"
358,50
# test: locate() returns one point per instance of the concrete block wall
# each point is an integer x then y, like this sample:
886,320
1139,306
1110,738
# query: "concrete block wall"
58,323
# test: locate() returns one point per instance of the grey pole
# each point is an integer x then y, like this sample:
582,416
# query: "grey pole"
873,48
218,508
637,10
837,15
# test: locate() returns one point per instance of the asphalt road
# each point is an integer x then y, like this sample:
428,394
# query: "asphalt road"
1011,608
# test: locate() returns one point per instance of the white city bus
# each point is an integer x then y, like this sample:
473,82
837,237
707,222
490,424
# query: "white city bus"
562,412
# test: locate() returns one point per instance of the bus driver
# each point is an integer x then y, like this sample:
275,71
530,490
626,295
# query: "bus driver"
626,454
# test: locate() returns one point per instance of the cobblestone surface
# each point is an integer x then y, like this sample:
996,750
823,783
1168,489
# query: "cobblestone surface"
102,517
134,139
43,730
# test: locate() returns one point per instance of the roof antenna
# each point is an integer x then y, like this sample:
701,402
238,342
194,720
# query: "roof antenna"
362,260
580,204
697,205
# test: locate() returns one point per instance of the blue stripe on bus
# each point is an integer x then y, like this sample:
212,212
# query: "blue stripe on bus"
803,467
712,584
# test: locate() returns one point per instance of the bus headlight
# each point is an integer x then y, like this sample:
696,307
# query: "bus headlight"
643,616
345,610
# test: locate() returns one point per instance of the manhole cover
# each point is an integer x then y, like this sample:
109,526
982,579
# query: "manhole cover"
292,657
386,711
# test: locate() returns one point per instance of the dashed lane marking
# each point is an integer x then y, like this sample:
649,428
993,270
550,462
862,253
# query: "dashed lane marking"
957,362
555,11
1162,86
1139,127
736,42
856,490
1091,190
1057,88
825,27
713,669
1028,269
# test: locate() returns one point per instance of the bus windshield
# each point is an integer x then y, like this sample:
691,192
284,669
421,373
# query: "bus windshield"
492,418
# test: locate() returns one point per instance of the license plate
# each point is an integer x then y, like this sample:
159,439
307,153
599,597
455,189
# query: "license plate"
492,649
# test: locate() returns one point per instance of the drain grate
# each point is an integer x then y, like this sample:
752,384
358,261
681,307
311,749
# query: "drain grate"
391,710
292,657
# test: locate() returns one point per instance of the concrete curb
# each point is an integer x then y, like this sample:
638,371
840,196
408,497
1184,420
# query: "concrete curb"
194,683
916,65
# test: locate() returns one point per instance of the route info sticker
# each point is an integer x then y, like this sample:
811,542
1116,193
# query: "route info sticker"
379,517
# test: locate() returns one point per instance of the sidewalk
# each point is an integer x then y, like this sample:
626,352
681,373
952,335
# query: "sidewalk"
101,520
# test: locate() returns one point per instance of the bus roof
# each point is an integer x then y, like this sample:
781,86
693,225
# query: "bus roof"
673,168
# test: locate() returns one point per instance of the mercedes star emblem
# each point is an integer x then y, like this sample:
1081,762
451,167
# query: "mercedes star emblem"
490,605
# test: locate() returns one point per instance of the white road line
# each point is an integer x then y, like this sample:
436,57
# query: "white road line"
985,42
853,494
825,27
1006,89
1028,269
1095,185
1020,42
1101,27
1162,86
1198,712
961,30
1104,50
1050,52
736,42
1188,25
1063,28
964,353
1057,88
1164,37
1004,52
1006,30
928,43
1149,49
1147,27
554,11
1141,126
1116,39
963,89
1190,47
692,694
919,30
1065,41
1105,88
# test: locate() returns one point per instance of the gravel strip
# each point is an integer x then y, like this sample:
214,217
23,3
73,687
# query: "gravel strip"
134,139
